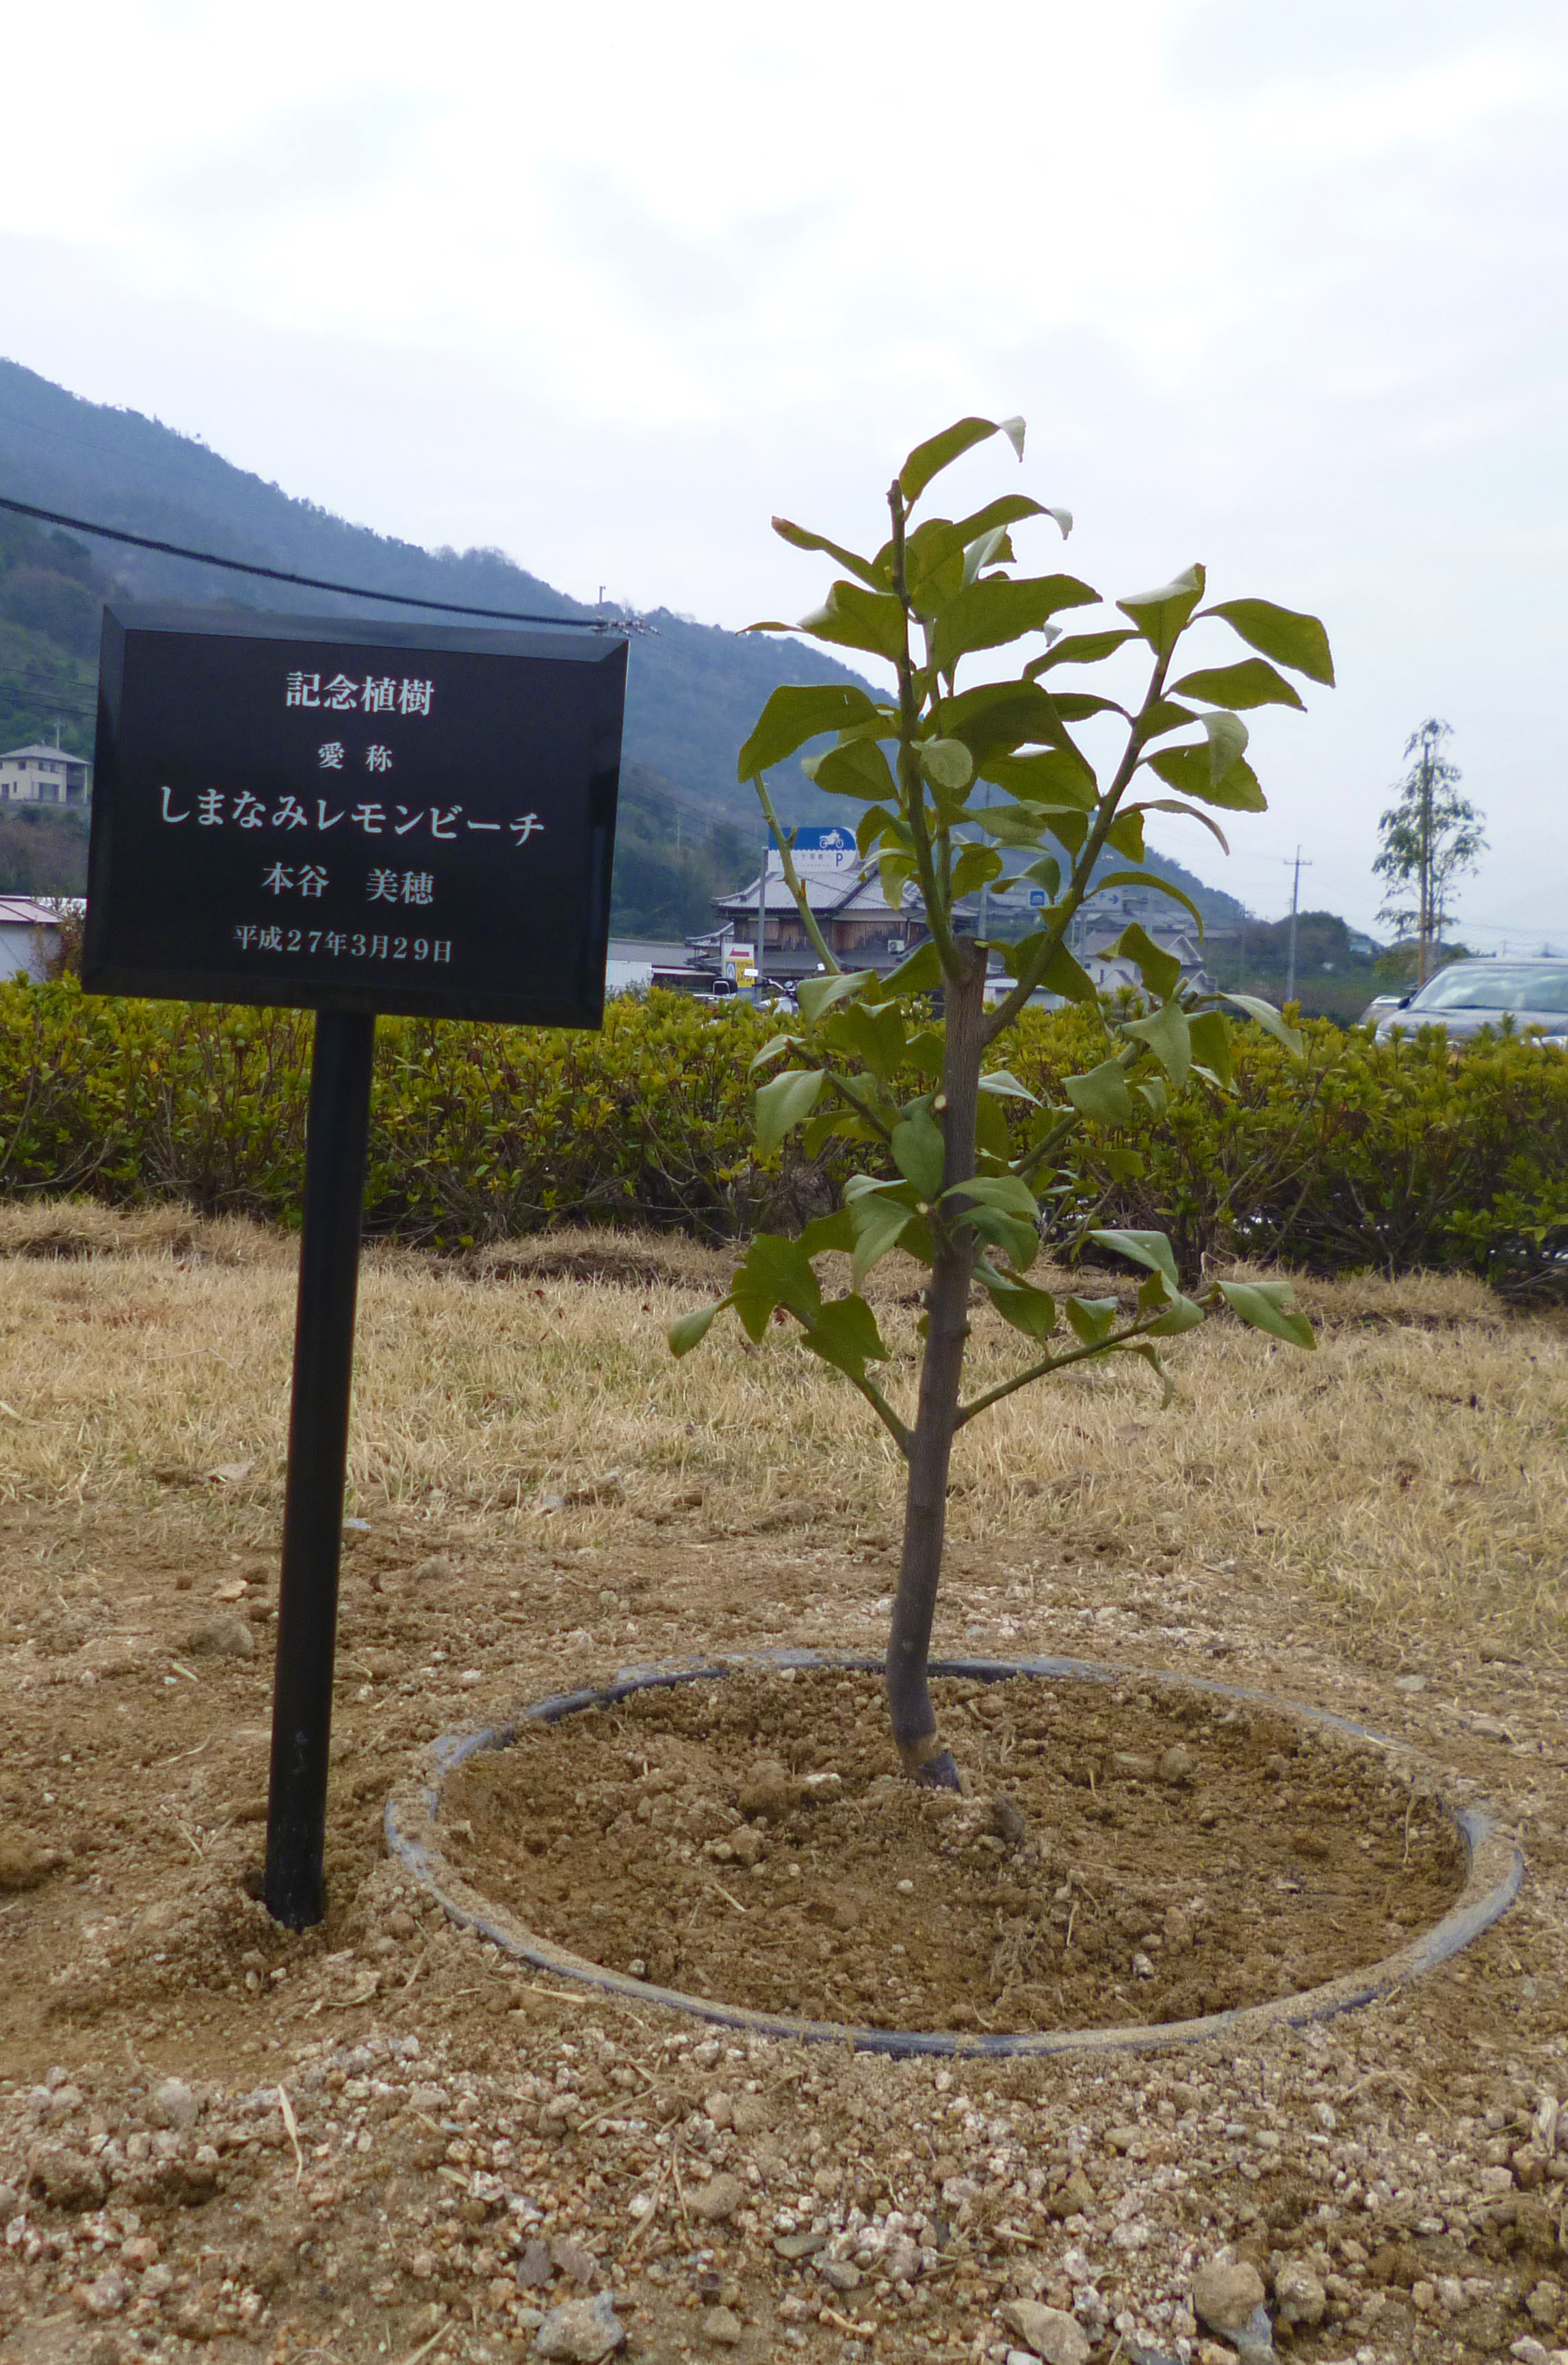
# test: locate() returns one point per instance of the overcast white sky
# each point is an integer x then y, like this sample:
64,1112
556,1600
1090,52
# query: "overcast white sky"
1281,288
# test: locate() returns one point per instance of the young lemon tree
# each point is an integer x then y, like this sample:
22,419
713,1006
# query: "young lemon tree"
950,1185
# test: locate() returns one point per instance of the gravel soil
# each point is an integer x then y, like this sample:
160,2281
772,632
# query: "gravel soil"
379,2140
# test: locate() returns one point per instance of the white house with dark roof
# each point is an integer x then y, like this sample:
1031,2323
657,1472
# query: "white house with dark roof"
29,938
41,775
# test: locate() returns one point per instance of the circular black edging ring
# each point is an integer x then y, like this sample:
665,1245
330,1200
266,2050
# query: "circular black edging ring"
1494,1872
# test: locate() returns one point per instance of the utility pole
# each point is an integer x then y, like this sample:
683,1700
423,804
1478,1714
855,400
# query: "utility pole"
1296,901
761,923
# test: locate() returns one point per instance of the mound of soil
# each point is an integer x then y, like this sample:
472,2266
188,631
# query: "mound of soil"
1123,1858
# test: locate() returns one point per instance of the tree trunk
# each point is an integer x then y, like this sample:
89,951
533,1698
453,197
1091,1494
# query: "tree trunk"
921,1750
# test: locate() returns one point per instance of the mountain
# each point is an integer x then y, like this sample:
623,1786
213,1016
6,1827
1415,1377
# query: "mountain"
689,830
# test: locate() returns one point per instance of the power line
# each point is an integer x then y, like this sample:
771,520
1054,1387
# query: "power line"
311,582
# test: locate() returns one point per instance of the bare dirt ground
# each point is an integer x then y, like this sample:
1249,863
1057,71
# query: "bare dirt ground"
380,2140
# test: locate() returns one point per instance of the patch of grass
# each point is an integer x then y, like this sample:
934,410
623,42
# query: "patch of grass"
1413,1472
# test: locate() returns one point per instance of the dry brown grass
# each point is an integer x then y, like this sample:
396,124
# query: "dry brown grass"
1413,1470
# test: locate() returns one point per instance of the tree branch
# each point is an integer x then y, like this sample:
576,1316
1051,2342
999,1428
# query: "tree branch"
792,880
1042,1370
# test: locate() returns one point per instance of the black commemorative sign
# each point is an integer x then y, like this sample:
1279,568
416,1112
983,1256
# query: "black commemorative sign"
352,816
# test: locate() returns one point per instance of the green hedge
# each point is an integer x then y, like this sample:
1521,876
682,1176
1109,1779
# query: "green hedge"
1391,1156
1385,1156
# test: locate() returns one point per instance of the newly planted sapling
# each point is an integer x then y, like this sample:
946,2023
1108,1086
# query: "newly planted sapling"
952,1188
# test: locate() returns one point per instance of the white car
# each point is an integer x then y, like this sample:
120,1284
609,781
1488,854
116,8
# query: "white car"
1468,996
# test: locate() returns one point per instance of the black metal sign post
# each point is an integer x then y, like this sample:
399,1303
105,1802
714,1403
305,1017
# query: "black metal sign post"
336,1140
352,818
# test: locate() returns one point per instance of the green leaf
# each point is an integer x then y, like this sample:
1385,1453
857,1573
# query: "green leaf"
855,619
976,867
1155,1092
1031,1310
1046,872
1210,1038
1169,1037
879,1221
919,1150
1125,835
1227,735
1250,683
828,1232
929,459
818,994
1056,775
920,973
782,1103
1062,974
1150,879
1101,1095
1182,1314
1091,1317
1003,1082
1083,648
1191,771
857,767
1012,508
845,1334
770,1050
775,1272
688,1330
1001,609
1290,638
1189,812
1161,615
947,763
1013,825
1019,1241
1269,1306
802,538
1151,1355
875,1037
792,715
995,717
1150,1248
1160,971
1009,1193
1269,1019
894,871
933,565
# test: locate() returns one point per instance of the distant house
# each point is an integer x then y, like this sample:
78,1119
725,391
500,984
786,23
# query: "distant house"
29,938
863,931
858,923
38,775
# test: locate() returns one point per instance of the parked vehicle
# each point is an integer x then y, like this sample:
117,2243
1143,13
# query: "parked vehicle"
1530,995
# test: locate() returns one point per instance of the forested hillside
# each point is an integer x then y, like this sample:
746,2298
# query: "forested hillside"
688,830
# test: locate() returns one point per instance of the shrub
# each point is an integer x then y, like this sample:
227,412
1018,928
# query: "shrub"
1392,1156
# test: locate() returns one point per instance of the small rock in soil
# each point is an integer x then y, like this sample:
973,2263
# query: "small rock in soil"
220,1638
840,2274
718,2200
1224,2295
581,2331
174,2104
1050,2332
535,2268
769,1791
1298,2294
574,2260
723,2328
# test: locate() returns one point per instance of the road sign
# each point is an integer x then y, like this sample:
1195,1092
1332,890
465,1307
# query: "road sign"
354,816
